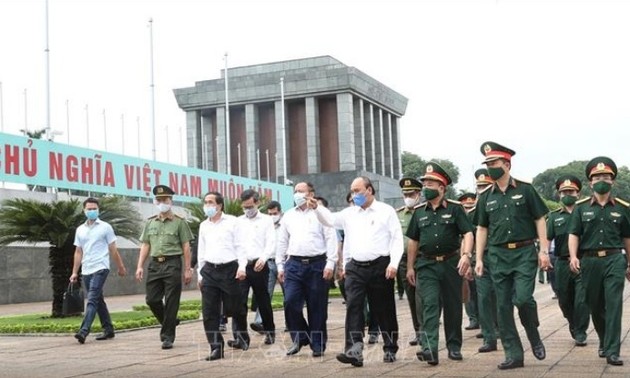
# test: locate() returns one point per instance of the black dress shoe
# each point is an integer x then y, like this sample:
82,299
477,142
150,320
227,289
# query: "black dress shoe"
80,338
317,353
238,344
479,335
270,338
216,354
429,357
373,338
389,357
472,326
295,348
167,344
105,336
580,343
455,355
614,360
354,360
510,364
539,351
600,352
258,327
485,348
413,342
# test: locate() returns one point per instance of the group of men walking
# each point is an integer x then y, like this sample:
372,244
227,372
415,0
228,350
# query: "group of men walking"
498,237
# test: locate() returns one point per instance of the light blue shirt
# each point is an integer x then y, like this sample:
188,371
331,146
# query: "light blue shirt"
94,240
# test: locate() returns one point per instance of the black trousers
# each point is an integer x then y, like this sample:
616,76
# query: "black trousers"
219,285
258,281
370,281
164,281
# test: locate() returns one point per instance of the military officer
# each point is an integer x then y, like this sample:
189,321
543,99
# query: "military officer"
510,216
434,232
411,190
166,237
571,294
598,230
468,201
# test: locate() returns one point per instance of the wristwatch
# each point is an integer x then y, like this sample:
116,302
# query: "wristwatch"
467,254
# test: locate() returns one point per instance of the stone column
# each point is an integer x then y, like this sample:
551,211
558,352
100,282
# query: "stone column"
252,135
281,153
387,143
369,138
206,131
312,135
359,134
221,147
379,162
345,130
397,146
194,142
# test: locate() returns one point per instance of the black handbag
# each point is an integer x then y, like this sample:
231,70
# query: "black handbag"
73,302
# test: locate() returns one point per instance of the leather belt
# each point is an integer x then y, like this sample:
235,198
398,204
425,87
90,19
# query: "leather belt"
308,259
440,258
602,252
371,262
518,244
222,265
162,259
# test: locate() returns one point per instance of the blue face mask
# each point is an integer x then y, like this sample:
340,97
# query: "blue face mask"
91,214
359,199
210,211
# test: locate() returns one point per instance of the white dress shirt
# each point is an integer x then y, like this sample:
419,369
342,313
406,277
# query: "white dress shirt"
219,243
301,234
258,236
369,233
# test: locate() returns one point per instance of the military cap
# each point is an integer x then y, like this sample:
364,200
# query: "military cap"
408,184
163,191
434,172
494,151
568,182
467,199
599,165
482,176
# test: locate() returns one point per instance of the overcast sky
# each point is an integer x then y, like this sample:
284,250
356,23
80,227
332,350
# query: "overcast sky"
549,79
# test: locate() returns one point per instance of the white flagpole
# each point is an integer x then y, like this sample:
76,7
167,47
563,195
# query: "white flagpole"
276,159
47,52
238,152
284,134
152,85
258,162
227,120
267,161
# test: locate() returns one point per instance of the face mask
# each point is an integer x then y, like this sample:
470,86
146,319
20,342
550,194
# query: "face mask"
430,194
163,207
251,212
359,199
276,218
210,211
568,200
602,187
410,202
299,199
496,173
91,214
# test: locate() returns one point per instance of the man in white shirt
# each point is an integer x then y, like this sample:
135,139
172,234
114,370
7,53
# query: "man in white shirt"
221,265
259,241
306,257
373,247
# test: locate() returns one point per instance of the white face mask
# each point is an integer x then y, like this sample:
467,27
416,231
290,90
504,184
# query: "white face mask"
410,202
299,199
163,207
250,213
276,218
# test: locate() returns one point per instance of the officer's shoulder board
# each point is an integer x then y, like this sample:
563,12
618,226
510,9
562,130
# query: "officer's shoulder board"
400,208
453,201
622,201
423,204
152,217
556,210
522,181
178,216
485,189
579,202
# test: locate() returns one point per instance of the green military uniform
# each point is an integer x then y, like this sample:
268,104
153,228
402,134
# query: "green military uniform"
571,294
438,231
472,305
510,219
165,234
603,230
413,296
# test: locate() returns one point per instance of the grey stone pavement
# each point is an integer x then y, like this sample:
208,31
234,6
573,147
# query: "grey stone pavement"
138,354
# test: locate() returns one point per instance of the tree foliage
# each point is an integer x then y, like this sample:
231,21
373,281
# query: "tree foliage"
414,166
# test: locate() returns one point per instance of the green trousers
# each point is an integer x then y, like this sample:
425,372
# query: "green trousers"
440,287
487,303
572,299
164,289
414,300
513,276
603,281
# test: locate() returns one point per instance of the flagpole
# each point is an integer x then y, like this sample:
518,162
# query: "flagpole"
152,85
47,52
284,134
227,121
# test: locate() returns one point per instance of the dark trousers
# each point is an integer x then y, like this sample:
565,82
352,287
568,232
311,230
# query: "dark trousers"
93,284
305,282
413,298
258,281
164,281
370,281
219,286
487,303
572,299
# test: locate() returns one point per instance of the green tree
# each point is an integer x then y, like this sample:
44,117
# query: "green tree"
545,182
414,166
31,221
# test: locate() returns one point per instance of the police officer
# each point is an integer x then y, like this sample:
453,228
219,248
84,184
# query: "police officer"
598,230
411,189
571,294
510,216
486,296
434,232
166,237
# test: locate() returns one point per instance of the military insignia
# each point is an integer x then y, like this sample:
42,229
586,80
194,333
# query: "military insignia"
423,218
407,182
481,177
160,190
623,202
446,216
429,168
491,202
567,182
517,196
589,213
600,166
615,214
487,148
